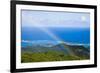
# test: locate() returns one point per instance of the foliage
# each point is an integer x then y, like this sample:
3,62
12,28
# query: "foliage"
47,56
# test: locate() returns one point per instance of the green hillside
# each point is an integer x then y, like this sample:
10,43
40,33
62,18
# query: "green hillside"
60,52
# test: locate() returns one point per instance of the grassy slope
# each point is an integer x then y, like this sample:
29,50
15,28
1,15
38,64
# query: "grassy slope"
43,54
47,56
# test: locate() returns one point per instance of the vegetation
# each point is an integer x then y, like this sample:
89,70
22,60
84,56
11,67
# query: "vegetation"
47,56
59,52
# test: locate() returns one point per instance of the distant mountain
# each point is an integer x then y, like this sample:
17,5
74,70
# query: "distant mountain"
72,50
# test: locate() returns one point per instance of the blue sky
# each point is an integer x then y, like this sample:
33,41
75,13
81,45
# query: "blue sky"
55,19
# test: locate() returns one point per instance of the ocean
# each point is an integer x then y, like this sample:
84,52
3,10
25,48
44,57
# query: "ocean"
69,35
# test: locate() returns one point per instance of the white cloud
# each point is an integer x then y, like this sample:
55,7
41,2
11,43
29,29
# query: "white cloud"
55,20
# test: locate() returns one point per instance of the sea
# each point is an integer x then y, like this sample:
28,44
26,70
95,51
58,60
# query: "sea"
56,34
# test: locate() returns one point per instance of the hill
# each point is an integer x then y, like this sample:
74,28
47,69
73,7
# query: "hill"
58,52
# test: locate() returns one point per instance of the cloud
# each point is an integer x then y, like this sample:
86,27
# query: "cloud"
54,19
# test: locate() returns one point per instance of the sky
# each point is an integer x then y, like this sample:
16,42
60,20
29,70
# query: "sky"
33,18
